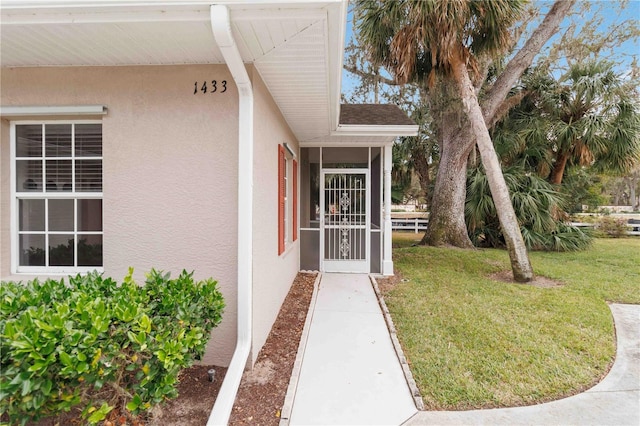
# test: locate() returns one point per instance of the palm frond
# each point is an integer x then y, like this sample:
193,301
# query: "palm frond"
415,40
536,204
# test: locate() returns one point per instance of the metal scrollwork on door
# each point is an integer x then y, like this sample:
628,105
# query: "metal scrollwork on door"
345,246
345,202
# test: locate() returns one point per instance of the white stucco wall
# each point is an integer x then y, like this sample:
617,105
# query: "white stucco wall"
273,274
170,171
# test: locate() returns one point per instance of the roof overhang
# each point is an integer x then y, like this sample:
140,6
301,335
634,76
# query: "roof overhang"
362,135
380,130
296,45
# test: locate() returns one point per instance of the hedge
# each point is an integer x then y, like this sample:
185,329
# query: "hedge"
99,345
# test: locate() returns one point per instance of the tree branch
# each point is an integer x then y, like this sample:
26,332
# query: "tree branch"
374,77
524,58
505,107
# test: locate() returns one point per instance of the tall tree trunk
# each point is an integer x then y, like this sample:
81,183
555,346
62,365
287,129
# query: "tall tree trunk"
446,210
557,173
632,182
520,264
446,218
421,167
446,221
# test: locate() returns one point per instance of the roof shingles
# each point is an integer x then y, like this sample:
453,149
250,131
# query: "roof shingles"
373,115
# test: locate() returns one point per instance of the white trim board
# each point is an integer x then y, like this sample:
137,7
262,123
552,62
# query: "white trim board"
42,110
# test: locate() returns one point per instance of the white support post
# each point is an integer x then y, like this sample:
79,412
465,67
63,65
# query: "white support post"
387,262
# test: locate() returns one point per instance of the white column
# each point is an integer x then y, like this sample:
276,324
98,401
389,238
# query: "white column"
387,263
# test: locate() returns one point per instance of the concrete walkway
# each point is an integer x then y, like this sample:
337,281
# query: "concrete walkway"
347,372
614,401
350,373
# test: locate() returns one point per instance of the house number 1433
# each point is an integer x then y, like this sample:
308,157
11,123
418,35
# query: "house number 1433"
213,87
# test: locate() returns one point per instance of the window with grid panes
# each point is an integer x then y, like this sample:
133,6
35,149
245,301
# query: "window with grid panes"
58,196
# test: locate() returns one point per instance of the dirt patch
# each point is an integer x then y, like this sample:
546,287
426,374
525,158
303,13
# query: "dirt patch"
538,280
195,399
386,284
191,408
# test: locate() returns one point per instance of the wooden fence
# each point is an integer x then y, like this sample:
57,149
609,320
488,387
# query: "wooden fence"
420,225
409,224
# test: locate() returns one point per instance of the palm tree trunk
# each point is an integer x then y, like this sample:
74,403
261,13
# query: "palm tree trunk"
520,264
558,168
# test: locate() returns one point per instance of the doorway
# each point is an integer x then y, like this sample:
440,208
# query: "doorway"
344,222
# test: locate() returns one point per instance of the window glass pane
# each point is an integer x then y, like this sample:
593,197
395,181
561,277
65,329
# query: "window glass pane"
57,140
89,140
54,158
29,175
61,215
89,215
31,250
31,214
29,140
58,175
61,249
89,250
89,175
310,180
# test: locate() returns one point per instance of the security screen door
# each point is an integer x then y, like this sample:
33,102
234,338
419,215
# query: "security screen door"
344,236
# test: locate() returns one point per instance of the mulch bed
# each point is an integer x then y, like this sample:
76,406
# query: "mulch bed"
263,389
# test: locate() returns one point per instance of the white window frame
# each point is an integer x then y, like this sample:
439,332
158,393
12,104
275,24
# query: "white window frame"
16,196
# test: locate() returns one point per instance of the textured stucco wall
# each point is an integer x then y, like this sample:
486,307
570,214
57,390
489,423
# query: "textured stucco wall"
272,274
170,170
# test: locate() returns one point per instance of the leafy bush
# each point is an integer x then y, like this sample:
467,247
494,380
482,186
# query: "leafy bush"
99,345
612,227
537,205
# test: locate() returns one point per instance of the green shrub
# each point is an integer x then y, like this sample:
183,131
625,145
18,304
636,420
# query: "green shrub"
612,227
99,345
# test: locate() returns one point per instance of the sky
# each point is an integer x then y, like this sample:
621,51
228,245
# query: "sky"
610,10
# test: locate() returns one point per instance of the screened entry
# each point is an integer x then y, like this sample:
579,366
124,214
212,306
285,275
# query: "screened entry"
341,209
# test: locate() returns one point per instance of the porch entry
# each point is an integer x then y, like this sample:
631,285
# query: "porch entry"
344,223
341,209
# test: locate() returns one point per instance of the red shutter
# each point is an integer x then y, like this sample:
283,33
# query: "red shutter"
282,163
295,200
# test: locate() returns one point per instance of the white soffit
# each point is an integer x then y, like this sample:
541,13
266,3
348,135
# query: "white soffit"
296,75
108,44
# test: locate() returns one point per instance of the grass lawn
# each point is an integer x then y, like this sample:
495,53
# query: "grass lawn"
475,342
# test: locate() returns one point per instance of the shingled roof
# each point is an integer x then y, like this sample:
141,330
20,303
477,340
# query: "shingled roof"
373,115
